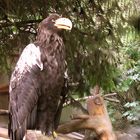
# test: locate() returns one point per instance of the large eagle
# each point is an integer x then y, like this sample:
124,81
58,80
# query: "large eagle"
37,80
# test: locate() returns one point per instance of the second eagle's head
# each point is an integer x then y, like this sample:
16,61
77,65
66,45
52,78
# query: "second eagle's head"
55,23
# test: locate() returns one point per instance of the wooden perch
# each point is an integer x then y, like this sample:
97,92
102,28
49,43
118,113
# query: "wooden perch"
37,135
3,133
97,124
4,112
4,89
98,120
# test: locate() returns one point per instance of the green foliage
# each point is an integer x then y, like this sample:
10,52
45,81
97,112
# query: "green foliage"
131,68
132,111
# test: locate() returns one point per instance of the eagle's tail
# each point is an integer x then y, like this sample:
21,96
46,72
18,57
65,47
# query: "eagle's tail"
17,134
31,120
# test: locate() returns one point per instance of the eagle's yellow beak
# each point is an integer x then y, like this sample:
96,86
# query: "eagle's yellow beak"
63,23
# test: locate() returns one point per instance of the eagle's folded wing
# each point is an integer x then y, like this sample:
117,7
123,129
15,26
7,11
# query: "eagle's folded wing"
24,85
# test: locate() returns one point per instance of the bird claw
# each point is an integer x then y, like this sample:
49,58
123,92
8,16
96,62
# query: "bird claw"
54,134
51,134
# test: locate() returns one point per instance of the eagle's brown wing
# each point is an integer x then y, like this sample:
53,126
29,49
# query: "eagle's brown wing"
24,91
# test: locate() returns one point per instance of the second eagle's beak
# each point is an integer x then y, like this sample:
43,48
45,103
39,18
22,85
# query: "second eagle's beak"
63,23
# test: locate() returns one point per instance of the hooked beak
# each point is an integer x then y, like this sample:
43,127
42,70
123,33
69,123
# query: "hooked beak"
63,23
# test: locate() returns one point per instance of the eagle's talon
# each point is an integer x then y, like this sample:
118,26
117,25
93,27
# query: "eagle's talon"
54,134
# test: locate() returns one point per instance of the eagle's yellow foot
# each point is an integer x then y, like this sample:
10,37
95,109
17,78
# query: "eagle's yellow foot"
54,134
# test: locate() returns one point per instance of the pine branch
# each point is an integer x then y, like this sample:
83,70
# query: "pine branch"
18,23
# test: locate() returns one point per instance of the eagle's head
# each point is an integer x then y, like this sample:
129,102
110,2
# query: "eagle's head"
55,23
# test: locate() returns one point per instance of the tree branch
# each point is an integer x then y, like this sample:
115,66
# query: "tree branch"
110,94
4,112
112,100
19,23
97,121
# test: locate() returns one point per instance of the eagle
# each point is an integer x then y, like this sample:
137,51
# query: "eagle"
37,80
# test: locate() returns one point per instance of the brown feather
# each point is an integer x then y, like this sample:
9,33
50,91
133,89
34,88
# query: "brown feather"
35,92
